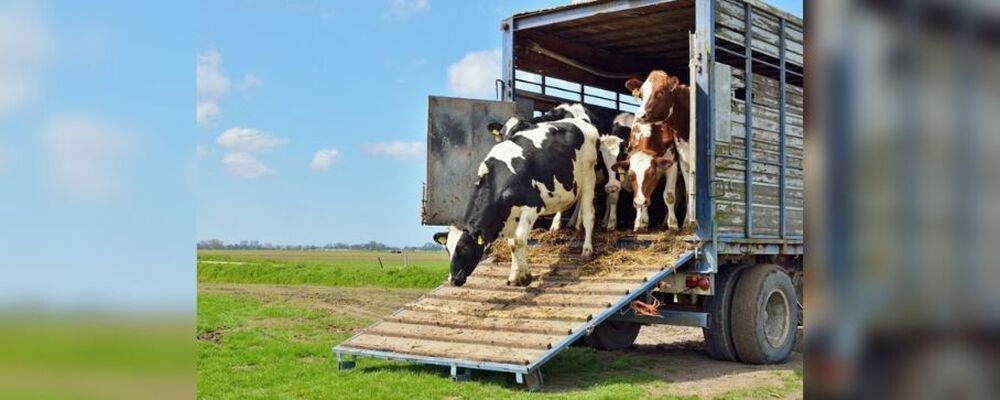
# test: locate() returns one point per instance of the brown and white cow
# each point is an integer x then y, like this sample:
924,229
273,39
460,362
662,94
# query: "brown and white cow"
659,144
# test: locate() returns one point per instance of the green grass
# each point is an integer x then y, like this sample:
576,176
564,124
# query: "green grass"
254,349
257,340
94,356
334,268
270,346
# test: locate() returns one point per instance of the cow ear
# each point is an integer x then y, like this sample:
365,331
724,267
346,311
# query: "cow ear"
441,238
633,84
495,129
672,83
620,167
663,163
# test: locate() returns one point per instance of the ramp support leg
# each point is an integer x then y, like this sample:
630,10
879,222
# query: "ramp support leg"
532,379
342,365
459,375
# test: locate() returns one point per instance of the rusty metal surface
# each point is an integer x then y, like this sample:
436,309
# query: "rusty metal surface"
457,142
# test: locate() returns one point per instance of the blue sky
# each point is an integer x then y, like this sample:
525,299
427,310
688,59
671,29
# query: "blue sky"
103,191
349,76
97,175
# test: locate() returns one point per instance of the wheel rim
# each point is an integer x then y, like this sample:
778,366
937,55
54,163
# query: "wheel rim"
777,314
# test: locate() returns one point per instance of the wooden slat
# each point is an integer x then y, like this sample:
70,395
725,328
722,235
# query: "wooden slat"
433,348
566,289
492,310
549,278
549,327
522,298
465,335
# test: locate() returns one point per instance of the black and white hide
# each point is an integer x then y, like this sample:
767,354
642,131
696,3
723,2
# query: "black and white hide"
542,169
560,112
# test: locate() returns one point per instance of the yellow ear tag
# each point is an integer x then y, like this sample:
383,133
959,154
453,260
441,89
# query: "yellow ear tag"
636,93
496,134
480,240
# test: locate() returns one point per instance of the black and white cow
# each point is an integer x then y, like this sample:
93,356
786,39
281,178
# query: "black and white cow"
541,169
560,112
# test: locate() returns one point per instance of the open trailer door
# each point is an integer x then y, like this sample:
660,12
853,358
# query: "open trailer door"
457,142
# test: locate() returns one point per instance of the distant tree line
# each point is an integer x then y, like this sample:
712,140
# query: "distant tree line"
216,244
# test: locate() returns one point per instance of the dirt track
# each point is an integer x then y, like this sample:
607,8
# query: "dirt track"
674,354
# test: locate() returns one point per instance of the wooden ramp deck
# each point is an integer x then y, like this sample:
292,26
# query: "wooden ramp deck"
491,326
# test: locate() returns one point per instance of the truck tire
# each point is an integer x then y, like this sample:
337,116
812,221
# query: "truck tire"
613,335
718,336
764,315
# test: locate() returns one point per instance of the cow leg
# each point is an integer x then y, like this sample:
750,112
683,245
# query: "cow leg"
641,219
586,210
519,273
556,222
610,220
574,219
670,197
684,152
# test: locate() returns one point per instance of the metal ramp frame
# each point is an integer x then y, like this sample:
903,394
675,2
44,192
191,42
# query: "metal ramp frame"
529,373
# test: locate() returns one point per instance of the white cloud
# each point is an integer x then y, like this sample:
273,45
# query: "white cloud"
402,8
85,156
207,111
324,158
213,84
474,75
395,149
245,165
26,46
250,81
249,140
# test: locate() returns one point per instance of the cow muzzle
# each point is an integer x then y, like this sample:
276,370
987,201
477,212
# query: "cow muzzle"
612,188
457,280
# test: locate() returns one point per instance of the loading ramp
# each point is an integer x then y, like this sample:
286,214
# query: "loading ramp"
487,325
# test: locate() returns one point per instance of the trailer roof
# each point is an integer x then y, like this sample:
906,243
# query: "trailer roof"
618,39
760,4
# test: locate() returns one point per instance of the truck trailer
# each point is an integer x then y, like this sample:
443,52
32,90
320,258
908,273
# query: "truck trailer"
737,275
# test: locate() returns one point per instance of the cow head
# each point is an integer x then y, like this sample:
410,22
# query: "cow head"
508,129
643,170
465,249
656,96
611,149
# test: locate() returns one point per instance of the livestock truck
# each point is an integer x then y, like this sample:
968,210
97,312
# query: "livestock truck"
742,278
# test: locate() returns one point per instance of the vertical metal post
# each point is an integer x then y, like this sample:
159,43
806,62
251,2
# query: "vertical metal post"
581,93
543,84
507,69
782,104
704,86
748,117
618,101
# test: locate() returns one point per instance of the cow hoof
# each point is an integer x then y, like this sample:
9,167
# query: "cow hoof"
523,280
587,253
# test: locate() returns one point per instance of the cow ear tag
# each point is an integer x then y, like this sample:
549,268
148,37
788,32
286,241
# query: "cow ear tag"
480,240
496,134
636,93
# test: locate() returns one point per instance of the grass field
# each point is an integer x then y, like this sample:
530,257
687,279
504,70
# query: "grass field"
267,322
329,268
